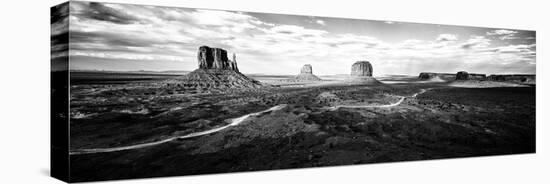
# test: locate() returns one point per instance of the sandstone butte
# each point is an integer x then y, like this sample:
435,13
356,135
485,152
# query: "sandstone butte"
215,70
306,74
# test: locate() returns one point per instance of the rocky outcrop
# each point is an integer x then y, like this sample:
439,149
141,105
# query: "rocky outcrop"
476,76
306,74
215,58
361,73
463,75
215,71
442,76
206,79
306,69
361,69
522,78
233,63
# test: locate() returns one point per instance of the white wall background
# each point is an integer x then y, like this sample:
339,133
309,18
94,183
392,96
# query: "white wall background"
24,98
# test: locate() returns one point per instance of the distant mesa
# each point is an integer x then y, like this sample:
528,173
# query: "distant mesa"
463,75
469,80
361,69
306,74
432,76
476,76
522,78
216,71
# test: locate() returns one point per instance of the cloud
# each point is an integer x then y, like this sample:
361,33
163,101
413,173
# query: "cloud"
508,37
295,31
503,34
232,21
102,12
320,22
59,13
521,48
125,55
165,36
59,31
446,37
476,42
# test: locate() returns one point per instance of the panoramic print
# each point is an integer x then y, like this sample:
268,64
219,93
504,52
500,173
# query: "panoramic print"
165,91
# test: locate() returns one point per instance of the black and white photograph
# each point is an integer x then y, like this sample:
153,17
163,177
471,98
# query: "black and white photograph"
151,91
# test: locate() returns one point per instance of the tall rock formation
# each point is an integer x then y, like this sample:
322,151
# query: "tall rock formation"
306,74
215,58
233,63
463,75
306,69
361,69
215,71
361,73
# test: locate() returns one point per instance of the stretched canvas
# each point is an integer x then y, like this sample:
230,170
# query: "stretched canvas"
148,91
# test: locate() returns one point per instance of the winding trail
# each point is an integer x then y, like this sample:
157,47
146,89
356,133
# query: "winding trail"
233,122
401,99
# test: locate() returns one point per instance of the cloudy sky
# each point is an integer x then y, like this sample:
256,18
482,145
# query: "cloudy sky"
137,37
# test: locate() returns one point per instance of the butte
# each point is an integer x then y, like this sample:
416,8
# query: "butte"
306,74
361,73
216,71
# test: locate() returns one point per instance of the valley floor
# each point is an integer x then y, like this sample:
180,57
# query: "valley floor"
310,125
